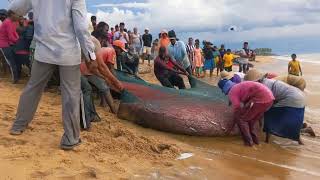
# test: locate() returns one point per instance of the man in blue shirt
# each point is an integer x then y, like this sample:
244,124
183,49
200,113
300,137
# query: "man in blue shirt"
177,51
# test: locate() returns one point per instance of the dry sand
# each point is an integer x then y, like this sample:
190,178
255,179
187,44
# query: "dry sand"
116,149
113,148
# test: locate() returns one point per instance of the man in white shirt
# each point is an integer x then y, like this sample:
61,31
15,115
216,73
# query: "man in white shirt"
61,28
121,35
245,55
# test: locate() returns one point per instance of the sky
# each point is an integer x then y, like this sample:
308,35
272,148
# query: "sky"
286,26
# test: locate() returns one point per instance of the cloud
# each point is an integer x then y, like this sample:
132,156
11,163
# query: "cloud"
265,33
253,19
123,5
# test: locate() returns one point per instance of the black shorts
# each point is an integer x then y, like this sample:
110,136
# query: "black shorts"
228,69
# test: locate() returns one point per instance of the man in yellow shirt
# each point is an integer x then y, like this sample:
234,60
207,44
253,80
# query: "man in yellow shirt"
228,61
294,67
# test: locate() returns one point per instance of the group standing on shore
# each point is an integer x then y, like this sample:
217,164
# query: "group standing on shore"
251,94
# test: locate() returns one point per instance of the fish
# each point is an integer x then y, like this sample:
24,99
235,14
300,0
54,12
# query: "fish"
199,111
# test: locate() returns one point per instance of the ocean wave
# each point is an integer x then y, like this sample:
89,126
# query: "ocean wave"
306,58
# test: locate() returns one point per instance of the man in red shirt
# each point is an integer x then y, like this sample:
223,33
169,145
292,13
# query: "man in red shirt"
8,38
103,77
167,71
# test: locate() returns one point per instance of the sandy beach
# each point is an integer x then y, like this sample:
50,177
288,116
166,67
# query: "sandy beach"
117,149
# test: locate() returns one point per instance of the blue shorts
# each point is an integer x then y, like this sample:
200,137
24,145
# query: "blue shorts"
209,64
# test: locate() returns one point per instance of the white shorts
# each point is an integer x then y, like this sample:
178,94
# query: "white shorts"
147,50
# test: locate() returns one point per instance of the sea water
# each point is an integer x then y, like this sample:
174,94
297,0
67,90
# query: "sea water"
304,58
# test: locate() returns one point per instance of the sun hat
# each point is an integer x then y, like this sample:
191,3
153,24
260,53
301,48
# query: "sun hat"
296,81
271,75
226,85
172,34
164,31
120,45
253,75
226,75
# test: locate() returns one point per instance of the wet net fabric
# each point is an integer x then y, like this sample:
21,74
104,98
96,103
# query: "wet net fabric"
201,110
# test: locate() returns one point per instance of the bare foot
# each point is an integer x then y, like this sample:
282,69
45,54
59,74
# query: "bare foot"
300,142
309,131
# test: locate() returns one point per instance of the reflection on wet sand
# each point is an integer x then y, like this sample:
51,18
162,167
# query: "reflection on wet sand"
227,158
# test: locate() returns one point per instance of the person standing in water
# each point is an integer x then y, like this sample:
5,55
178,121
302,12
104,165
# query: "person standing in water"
53,20
286,116
294,67
249,100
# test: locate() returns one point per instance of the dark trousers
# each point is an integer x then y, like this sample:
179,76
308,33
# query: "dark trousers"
119,66
133,66
99,83
190,78
89,108
248,122
9,56
22,60
243,68
172,80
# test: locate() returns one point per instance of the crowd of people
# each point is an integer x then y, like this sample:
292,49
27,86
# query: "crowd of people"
16,35
107,49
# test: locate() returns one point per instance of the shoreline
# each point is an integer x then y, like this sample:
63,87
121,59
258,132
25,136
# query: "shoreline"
117,149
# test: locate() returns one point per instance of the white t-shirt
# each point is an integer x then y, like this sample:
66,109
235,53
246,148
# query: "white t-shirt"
136,39
121,36
243,60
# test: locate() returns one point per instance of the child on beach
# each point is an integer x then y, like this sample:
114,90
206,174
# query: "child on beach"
209,63
218,60
155,48
228,61
198,59
294,67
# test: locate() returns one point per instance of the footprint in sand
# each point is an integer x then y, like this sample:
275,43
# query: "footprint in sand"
40,174
4,125
9,142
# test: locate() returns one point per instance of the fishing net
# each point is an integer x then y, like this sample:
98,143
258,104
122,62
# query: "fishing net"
201,110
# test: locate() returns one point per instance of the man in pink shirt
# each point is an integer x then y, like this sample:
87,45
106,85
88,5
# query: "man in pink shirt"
250,100
8,38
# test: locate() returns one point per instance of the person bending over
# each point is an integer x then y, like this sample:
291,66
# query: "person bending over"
101,79
250,100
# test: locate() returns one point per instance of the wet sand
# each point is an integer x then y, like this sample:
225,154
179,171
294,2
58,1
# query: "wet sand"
117,149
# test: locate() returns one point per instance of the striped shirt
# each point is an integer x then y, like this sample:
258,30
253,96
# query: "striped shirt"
191,53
